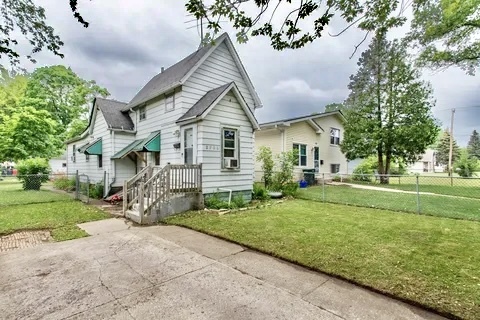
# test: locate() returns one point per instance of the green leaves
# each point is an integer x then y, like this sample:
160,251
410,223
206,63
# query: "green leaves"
443,149
447,33
39,111
389,109
473,146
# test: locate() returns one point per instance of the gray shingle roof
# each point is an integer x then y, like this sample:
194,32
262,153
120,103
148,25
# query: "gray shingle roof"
204,103
168,77
112,112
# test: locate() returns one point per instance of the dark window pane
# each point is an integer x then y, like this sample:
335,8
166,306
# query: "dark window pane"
229,153
229,143
316,153
229,134
303,160
303,150
188,155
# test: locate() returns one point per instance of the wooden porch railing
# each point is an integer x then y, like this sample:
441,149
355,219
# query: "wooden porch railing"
148,189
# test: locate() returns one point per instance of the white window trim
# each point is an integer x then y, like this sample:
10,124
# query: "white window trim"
306,154
172,95
195,142
330,137
140,113
237,147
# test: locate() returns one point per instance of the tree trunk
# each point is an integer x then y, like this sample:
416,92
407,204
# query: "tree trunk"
388,160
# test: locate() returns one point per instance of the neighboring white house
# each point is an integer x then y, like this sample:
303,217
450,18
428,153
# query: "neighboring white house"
198,111
427,163
58,165
317,138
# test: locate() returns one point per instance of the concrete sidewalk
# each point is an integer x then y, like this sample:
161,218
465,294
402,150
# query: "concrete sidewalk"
166,272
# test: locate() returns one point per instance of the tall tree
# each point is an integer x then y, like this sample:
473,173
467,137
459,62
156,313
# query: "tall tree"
334,107
443,150
388,109
61,92
296,23
447,32
473,146
28,133
12,92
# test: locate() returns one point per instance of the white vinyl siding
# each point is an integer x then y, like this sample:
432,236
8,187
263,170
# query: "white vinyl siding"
158,119
218,69
226,114
124,168
90,167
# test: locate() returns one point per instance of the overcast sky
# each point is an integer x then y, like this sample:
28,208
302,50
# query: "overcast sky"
129,41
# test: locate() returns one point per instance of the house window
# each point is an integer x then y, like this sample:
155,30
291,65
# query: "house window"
170,102
156,155
334,136
74,158
142,113
64,165
334,168
230,147
188,146
100,161
87,157
301,151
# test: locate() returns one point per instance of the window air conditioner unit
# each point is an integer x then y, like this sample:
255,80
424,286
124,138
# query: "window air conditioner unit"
231,163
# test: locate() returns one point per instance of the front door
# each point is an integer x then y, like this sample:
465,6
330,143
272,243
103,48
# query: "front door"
316,159
188,157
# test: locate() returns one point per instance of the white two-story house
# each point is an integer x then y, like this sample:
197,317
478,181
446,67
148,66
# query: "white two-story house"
198,111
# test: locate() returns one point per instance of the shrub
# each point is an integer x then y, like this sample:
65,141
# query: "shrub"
96,191
214,202
284,176
466,165
238,202
266,158
290,189
32,172
64,183
259,192
366,169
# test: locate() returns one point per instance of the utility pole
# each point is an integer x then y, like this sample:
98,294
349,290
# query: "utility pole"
450,155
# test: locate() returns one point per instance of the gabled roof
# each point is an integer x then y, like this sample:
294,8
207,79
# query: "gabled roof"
310,119
178,74
204,103
112,112
203,106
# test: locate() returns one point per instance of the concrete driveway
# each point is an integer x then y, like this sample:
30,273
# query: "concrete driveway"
173,273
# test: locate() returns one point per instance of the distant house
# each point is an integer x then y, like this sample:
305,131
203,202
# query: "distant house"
317,138
198,111
427,163
58,165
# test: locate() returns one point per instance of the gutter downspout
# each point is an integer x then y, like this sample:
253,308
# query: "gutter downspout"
112,164
229,196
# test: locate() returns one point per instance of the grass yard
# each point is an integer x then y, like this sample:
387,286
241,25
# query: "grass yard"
449,207
468,188
34,210
11,193
429,260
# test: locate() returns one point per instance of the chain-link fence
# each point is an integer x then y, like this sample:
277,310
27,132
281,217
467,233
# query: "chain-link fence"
44,188
438,195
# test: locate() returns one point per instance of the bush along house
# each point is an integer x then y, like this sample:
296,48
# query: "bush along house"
188,133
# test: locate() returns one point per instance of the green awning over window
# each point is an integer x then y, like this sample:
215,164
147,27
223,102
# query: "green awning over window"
149,144
92,148
152,142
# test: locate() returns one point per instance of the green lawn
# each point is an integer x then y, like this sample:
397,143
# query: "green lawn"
429,260
450,207
33,210
468,188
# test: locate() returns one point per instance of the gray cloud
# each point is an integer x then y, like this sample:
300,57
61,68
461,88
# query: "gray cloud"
129,41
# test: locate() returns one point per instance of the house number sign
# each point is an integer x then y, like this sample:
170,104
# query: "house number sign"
211,147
